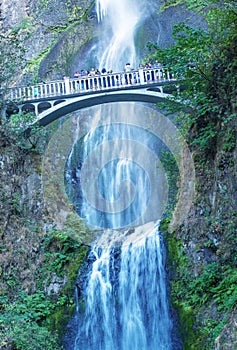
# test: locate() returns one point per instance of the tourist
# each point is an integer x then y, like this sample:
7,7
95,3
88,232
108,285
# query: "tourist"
127,69
158,72
147,74
92,72
76,75
103,72
157,64
82,75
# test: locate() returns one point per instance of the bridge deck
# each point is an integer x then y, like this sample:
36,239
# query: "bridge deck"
49,101
89,84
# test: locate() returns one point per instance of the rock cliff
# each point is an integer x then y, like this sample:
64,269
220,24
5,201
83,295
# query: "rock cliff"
56,36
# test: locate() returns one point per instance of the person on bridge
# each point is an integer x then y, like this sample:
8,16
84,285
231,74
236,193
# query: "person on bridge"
128,69
76,75
92,72
103,72
159,73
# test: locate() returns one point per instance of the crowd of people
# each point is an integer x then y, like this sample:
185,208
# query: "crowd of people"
107,78
93,72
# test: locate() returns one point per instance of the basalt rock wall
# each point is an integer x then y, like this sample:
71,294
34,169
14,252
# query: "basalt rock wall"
58,35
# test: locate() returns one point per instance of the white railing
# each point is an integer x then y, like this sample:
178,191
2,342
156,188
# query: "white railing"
70,86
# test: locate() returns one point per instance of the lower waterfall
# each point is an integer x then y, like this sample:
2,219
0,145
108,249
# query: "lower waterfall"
125,300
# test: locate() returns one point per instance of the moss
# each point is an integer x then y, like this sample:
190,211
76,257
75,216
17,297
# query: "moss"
76,229
73,268
186,321
34,65
178,265
74,20
204,301
60,318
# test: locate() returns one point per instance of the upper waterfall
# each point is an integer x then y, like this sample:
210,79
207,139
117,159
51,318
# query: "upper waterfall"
120,21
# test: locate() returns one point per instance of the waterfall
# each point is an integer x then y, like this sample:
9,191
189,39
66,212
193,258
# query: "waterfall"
125,291
126,299
119,22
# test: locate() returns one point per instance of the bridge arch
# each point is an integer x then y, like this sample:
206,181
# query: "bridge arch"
42,106
28,107
58,101
63,108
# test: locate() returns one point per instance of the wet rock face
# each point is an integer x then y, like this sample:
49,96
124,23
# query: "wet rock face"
207,230
158,27
228,338
12,12
58,35
51,31
20,208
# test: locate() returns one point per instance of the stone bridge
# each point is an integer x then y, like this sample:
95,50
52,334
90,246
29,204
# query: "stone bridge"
49,101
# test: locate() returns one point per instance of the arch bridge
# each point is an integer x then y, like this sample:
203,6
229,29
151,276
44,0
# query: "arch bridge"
49,101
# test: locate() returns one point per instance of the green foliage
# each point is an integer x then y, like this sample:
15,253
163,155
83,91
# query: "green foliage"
208,63
76,228
207,137
172,173
60,249
206,59
37,321
229,141
22,323
16,333
16,202
13,130
33,307
65,256
215,286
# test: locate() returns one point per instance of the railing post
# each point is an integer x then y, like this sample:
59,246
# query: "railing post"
160,74
41,90
67,85
123,79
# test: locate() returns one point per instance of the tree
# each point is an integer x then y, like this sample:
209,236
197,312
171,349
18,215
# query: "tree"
206,59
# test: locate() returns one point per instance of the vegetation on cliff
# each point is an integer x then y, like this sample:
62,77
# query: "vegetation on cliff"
39,262
202,253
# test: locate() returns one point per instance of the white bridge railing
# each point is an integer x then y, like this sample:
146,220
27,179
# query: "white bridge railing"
70,86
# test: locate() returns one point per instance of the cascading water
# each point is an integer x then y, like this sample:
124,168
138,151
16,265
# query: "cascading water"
126,301
119,22
125,295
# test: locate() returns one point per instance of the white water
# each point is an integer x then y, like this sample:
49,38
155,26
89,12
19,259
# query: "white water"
126,300
120,175
119,22
126,303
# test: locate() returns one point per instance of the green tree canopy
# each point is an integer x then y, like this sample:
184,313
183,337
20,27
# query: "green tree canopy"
207,60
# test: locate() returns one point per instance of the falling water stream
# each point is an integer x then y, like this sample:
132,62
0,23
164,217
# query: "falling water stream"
125,289
126,299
